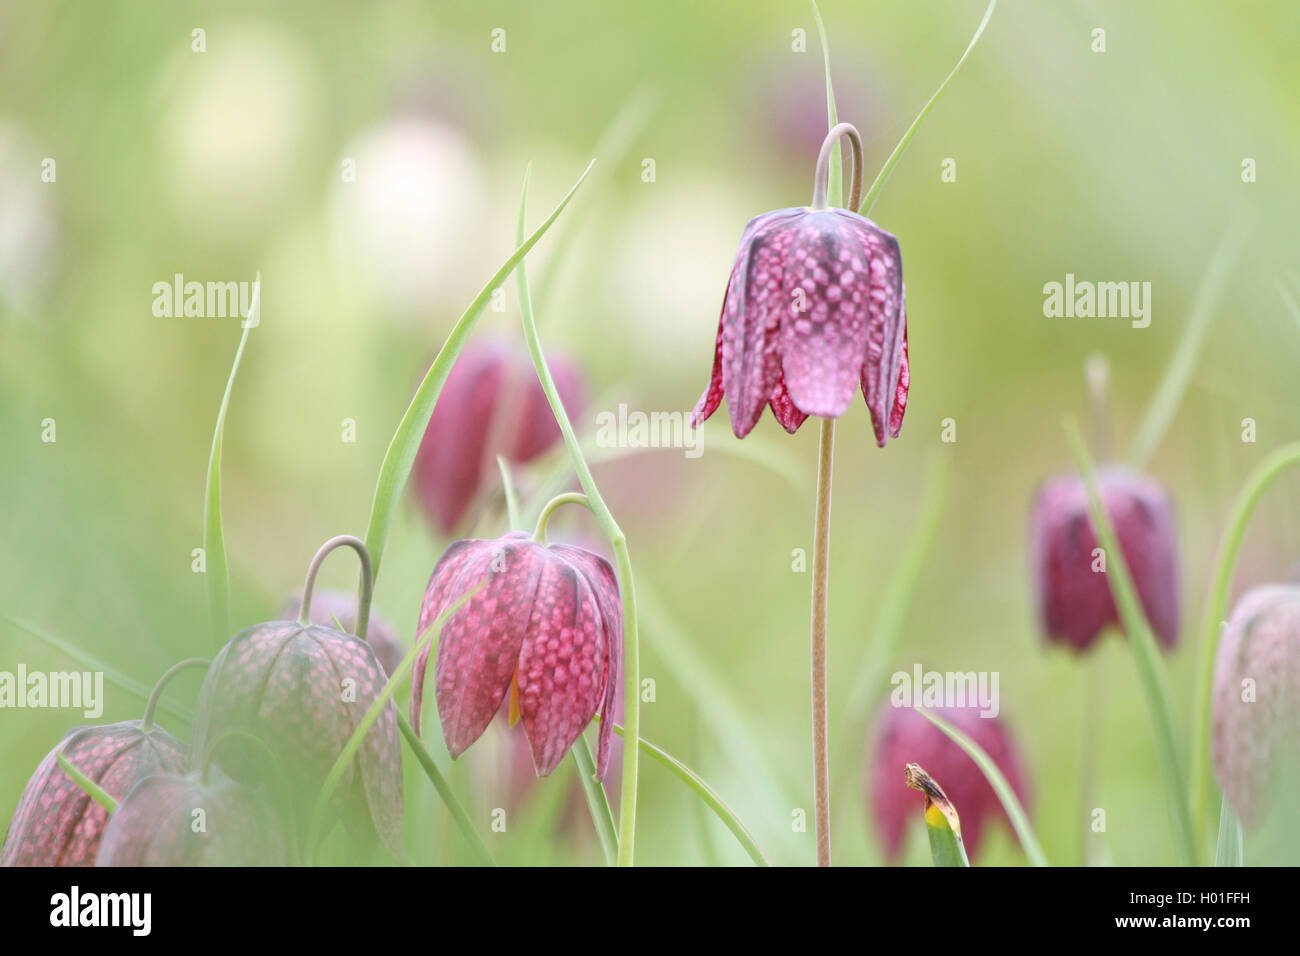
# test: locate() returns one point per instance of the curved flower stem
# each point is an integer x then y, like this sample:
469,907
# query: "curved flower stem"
617,542
1216,605
820,178
146,723
821,575
705,793
568,498
367,580
874,192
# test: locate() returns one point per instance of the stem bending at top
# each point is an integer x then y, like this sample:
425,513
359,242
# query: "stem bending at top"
367,581
827,155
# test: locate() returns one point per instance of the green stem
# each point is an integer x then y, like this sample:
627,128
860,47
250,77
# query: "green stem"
705,793
510,493
367,581
377,706
602,817
93,790
214,544
458,814
835,184
820,587
400,456
617,542
1230,844
1215,608
1145,654
1015,812
568,498
151,706
874,192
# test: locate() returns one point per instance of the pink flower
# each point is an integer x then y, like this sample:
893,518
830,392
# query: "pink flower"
814,310
1072,591
327,605
545,628
57,823
491,404
1256,700
904,736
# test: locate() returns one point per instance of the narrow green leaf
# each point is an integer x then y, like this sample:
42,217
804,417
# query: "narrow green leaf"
214,542
93,663
93,790
705,793
1229,852
510,493
1145,654
602,817
1216,608
869,200
1015,812
835,181
942,824
1178,373
400,456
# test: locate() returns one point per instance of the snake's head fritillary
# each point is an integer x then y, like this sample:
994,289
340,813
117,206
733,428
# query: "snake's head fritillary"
1256,700
184,820
904,736
329,606
57,823
1068,569
303,689
545,628
813,312
491,404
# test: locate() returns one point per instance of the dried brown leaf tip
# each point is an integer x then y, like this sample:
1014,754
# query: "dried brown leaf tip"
936,801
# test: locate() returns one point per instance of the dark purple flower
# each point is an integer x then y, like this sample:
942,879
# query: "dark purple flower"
175,820
546,628
1072,591
1256,700
491,404
57,823
303,689
327,606
904,736
814,310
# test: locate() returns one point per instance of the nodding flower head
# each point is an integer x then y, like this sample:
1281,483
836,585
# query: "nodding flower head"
57,823
1256,701
303,689
1068,567
189,820
814,310
491,404
545,628
904,736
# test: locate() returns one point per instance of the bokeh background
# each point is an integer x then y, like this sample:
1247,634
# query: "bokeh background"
1123,165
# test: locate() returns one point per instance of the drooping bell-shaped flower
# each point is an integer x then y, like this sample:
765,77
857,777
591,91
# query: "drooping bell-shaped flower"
57,823
491,404
814,311
904,736
303,689
545,628
329,606
186,820
1256,701
1068,567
